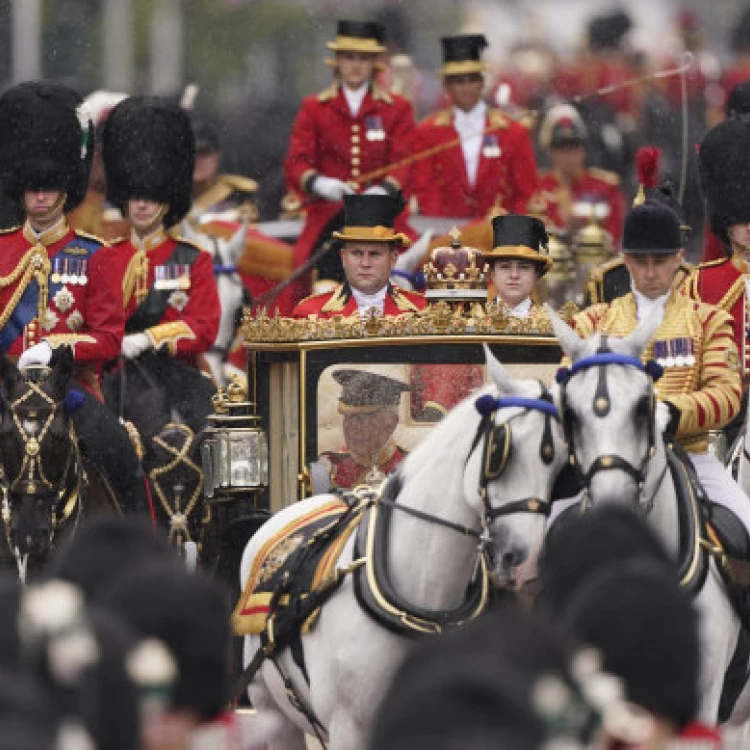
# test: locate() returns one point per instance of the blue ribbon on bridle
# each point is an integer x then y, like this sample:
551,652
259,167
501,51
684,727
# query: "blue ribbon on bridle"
488,404
651,368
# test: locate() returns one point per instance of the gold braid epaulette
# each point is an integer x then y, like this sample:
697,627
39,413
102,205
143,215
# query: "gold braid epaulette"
33,264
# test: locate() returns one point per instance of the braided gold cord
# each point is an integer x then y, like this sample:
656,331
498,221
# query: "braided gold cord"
25,269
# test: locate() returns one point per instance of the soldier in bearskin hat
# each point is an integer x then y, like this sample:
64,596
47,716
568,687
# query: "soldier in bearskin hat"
170,295
492,163
369,249
701,385
724,161
60,287
374,126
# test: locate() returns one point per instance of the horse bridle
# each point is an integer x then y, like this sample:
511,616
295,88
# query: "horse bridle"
32,471
601,406
497,447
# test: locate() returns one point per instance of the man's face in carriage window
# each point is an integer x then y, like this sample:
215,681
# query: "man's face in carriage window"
368,265
653,273
366,434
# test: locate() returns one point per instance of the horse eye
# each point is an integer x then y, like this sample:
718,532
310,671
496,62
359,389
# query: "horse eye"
642,408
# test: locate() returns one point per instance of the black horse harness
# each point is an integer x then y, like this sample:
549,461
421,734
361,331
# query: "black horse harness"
31,479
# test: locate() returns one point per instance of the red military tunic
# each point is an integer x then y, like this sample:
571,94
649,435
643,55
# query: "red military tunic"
191,319
341,301
722,283
84,306
327,140
506,176
593,185
348,472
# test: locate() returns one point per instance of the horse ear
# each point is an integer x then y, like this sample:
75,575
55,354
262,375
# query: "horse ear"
8,376
635,344
498,374
570,342
62,369
235,246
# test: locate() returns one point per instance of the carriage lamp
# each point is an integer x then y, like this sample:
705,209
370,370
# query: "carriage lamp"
235,450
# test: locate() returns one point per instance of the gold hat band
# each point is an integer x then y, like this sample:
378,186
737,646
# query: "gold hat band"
519,252
355,44
463,67
372,234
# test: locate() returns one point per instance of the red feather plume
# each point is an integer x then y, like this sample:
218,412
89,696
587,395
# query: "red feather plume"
647,166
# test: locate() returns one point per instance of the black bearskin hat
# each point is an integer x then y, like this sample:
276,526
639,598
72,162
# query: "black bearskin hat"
149,152
652,227
46,140
190,614
724,161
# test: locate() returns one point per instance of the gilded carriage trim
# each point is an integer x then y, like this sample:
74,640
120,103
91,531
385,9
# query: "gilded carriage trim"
439,319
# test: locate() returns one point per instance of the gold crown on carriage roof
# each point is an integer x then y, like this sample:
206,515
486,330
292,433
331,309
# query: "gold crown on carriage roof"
456,266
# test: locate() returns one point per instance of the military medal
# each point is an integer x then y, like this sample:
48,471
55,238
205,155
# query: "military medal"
490,147
660,353
56,278
83,277
374,130
73,277
64,299
64,276
160,281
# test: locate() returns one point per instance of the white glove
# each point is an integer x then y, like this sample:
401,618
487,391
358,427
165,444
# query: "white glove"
39,354
135,344
330,188
375,190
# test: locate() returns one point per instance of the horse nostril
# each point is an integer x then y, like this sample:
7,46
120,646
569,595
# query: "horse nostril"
513,558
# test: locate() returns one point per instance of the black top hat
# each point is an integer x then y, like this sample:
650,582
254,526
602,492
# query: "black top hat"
652,228
724,164
46,140
358,36
463,54
149,152
365,392
607,32
520,237
370,218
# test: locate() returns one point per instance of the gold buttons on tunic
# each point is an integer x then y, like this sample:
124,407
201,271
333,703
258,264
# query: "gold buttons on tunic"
355,138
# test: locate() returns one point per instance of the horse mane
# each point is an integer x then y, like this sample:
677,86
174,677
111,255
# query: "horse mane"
435,442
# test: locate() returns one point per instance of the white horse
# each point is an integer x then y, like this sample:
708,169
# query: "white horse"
614,427
225,254
349,657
